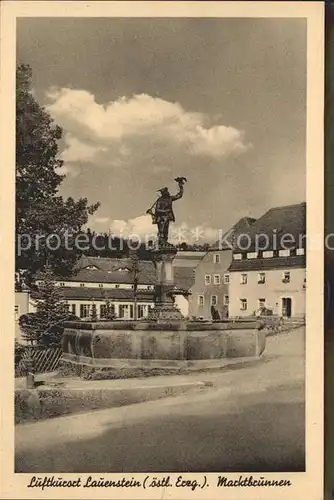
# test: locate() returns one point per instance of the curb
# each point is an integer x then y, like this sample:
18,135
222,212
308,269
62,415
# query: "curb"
40,404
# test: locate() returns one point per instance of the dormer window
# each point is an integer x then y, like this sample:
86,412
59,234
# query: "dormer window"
123,269
91,268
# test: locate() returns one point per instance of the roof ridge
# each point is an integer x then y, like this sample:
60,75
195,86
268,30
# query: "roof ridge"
281,207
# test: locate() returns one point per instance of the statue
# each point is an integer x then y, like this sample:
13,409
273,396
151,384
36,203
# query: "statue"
162,211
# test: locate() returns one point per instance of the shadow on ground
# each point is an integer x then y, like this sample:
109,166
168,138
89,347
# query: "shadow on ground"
261,432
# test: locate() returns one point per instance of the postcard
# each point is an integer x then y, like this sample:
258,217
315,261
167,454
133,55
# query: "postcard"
162,249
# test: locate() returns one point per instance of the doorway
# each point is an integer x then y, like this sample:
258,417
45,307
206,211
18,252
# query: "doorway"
286,307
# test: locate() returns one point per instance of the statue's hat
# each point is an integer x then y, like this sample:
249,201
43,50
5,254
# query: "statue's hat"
163,190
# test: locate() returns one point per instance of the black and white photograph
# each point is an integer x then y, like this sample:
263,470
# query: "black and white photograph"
165,204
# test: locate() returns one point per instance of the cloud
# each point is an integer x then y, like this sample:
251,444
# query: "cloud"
141,227
139,132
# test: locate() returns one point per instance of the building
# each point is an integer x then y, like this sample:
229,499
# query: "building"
268,269
211,283
22,306
101,283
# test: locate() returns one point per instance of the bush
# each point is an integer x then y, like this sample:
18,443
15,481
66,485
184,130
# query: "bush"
18,352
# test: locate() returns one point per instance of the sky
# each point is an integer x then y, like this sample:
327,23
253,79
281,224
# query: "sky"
142,101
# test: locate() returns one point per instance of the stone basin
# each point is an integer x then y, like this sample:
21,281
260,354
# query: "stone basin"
160,344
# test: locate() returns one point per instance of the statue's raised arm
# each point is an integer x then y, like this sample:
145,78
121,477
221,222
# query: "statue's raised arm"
179,194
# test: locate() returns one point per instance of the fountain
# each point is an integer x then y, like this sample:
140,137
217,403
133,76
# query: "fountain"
164,339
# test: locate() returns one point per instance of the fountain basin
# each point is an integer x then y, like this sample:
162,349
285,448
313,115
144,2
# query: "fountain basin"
165,344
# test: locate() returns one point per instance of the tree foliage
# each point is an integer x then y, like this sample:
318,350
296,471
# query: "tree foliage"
44,327
40,210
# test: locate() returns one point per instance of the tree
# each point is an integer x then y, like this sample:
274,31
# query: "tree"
44,327
93,313
40,210
109,310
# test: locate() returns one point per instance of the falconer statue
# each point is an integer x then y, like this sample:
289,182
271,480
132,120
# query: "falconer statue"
162,210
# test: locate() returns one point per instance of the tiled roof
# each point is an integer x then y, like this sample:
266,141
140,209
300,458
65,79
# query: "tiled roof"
77,293
267,264
111,271
274,224
184,277
228,238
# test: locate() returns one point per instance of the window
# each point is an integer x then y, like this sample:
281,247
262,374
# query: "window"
214,300
82,285
300,251
74,309
243,279
284,253
216,258
141,309
261,278
201,300
100,285
251,255
126,311
226,279
84,310
262,303
207,279
17,312
243,304
61,284
226,300
237,256
123,310
216,279
286,277
116,286
107,310
268,254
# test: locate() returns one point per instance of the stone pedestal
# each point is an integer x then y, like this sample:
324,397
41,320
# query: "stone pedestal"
164,308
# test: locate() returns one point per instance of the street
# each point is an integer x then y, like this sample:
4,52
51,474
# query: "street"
249,418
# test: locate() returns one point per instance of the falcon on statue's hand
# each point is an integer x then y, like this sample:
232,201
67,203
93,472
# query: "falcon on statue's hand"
180,180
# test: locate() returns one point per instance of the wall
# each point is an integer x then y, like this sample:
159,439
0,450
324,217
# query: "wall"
90,284
273,290
207,266
98,303
182,303
105,343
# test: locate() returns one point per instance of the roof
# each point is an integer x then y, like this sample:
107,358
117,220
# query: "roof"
226,242
184,277
74,293
268,230
110,270
298,261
